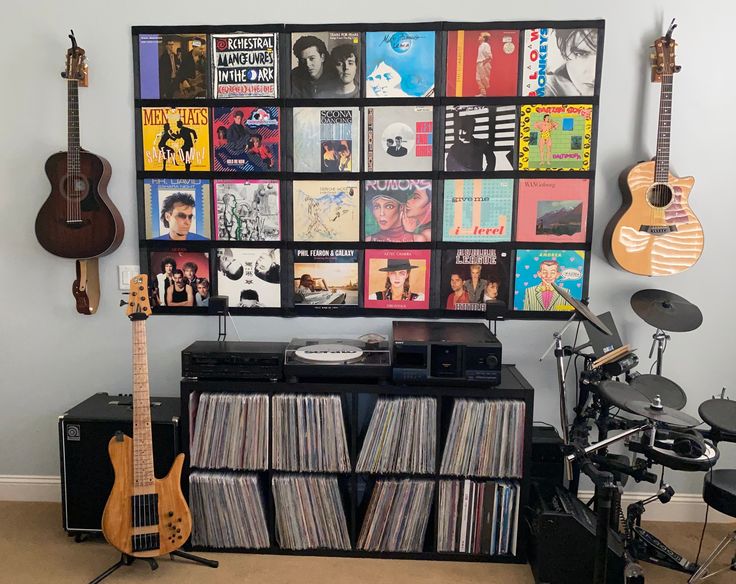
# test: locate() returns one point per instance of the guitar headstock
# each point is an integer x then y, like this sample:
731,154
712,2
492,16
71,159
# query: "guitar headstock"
76,63
139,304
663,55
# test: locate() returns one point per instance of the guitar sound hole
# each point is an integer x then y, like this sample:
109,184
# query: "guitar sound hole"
659,195
75,188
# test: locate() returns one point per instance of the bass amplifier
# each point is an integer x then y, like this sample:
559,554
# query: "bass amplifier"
86,472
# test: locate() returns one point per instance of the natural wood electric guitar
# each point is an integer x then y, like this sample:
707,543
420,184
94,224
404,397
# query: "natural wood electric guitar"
655,233
144,516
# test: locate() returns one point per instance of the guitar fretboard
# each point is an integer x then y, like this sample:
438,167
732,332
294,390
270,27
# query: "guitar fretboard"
662,159
142,445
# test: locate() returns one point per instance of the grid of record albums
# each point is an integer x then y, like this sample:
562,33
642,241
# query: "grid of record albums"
368,169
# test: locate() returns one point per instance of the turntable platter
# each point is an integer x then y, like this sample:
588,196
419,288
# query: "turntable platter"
329,353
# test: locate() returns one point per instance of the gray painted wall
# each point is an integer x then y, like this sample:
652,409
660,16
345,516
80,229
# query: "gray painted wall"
51,358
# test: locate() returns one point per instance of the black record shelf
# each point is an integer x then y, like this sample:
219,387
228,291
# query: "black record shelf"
513,387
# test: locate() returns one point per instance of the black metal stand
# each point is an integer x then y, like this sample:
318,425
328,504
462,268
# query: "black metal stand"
127,560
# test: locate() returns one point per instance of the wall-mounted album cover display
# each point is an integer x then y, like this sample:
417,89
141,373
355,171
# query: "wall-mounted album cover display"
325,277
326,210
559,61
398,138
246,139
482,63
172,66
248,210
399,64
552,210
175,139
325,64
245,65
478,209
326,139
398,211
250,277
555,137
177,209
396,278
537,269
179,278
472,278
480,137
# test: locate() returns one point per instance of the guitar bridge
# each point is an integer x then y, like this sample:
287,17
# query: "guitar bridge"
658,229
144,542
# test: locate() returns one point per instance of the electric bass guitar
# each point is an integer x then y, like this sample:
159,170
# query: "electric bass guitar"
655,233
144,516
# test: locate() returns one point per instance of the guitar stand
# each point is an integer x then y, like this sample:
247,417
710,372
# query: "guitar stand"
127,560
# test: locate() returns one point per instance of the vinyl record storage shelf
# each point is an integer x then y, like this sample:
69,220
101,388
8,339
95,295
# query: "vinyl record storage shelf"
513,387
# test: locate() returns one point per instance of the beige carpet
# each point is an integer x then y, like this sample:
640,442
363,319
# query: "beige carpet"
35,549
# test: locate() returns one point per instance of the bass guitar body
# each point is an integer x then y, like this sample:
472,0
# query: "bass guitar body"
146,520
655,233
78,220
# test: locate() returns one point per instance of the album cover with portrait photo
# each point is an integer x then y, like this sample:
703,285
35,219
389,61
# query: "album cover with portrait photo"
537,269
246,139
552,210
480,138
248,210
396,279
245,65
326,210
398,138
397,211
177,209
179,279
172,66
325,277
249,277
325,64
399,63
472,278
478,209
175,139
326,139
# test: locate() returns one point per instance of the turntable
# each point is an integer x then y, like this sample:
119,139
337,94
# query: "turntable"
349,359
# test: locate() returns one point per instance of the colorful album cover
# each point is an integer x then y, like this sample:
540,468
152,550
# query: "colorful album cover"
175,139
180,278
246,139
552,210
482,63
399,64
559,61
397,279
326,139
325,64
326,210
537,269
177,209
398,138
245,65
555,137
172,66
325,277
480,137
250,277
248,210
474,278
478,209
398,211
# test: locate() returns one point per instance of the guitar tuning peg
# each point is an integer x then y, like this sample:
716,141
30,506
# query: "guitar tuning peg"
123,303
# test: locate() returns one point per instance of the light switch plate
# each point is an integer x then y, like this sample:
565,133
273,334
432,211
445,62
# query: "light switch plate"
125,273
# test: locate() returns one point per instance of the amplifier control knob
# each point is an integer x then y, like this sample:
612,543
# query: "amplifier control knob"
492,361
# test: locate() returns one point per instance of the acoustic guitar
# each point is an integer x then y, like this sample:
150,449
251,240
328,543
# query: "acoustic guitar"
144,516
655,233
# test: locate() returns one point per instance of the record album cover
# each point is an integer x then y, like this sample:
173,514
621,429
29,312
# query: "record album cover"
245,65
325,64
326,210
248,210
326,139
175,139
480,138
172,66
398,138
179,278
482,63
555,137
399,64
246,139
250,277
478,209
397,279
325,277
537,269
177,209
473,278
552,210
398,211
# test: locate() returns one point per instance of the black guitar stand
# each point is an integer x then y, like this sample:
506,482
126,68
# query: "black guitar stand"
127,560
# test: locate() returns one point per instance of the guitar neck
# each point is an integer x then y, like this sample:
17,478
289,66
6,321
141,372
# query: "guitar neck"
662,159
72,126
142,445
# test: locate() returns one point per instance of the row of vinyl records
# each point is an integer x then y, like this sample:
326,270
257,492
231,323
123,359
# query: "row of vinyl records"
474,517
485,437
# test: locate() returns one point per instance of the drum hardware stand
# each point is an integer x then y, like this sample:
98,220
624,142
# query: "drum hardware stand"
127,560
660,340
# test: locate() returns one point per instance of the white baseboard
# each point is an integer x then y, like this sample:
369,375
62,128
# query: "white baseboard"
30,488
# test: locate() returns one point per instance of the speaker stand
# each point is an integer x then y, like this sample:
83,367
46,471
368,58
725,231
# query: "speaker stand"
127,560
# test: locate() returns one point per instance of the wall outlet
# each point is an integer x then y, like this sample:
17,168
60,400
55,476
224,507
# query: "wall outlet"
125,274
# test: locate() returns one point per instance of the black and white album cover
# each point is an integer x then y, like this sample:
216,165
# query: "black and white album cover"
480,138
